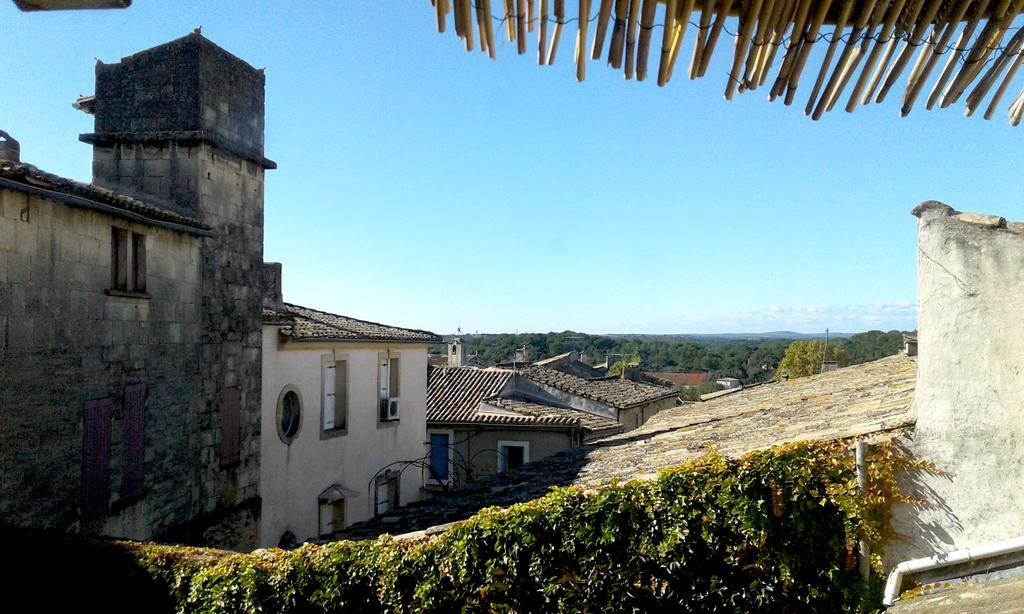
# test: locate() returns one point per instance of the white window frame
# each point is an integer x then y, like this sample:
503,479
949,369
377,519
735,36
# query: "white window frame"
502,454
328,386
451,447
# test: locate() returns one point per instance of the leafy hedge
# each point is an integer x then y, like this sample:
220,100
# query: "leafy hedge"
773,531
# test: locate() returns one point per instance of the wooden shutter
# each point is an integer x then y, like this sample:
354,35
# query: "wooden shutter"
133,481
330,378
340,393
395,375
230,431
96,457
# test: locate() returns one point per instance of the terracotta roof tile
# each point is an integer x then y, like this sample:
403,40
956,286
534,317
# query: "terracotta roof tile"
305,324
115,203
614,391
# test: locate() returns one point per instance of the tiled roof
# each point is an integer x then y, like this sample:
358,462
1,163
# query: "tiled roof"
84,194
487,396
454,394
567,363
542,413
683,379
851,402
866,398
614,391
305,324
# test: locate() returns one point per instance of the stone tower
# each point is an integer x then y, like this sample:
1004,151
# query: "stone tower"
181,125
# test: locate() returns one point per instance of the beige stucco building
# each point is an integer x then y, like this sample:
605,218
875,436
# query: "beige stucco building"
343,420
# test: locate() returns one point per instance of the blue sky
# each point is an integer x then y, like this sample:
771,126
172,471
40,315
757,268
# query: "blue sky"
424,186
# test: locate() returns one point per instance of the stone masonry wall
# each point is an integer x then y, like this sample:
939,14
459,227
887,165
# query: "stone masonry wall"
970,383
64,341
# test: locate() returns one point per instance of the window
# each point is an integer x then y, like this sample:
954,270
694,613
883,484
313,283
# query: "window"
334,390
289,414
440,457
512,455
386,492
127,261
388,382
332,509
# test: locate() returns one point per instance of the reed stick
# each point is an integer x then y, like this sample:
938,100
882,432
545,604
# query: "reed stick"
666,39
1010,74
581,40
988,40
631,27
441,21
603,14
883,41
618,44
757,43
510,20
986,82
783,21
796,39
839,74
793,80
521,26
542,42
844,16
643,50
682,21
702,36
557,35
531,15
747,23
918,81
957,53
724,8
920,29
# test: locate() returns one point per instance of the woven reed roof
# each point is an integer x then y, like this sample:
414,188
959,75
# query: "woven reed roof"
938,51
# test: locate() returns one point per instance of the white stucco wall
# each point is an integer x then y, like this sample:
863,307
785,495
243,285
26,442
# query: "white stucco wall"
292,476
970,383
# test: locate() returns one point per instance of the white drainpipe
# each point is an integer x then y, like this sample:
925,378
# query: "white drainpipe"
892,585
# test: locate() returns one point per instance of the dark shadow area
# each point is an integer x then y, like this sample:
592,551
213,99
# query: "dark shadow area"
55,572
916,482
526,483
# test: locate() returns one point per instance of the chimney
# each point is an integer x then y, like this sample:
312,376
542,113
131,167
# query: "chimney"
456,353
631,373
910,345
9,148
272,296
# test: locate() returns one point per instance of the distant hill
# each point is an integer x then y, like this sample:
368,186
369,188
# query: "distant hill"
779,335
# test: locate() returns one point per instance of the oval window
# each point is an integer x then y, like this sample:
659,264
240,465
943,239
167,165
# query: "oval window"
289,412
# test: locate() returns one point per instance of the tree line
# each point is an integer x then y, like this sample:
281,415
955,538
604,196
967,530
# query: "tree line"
750,360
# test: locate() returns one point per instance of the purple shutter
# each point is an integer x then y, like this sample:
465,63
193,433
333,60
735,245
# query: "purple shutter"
230,410
134,478
96,457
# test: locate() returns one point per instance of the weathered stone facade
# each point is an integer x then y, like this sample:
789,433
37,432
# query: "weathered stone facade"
179,126
970,384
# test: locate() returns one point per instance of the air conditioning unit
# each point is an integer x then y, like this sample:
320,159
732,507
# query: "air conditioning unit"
392,409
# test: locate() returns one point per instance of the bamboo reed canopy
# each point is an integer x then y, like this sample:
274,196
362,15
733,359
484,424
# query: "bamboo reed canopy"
868,45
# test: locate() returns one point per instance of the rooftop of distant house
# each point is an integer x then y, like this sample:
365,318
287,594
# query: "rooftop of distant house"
304,324
615,391
865,400
470,396
682,379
